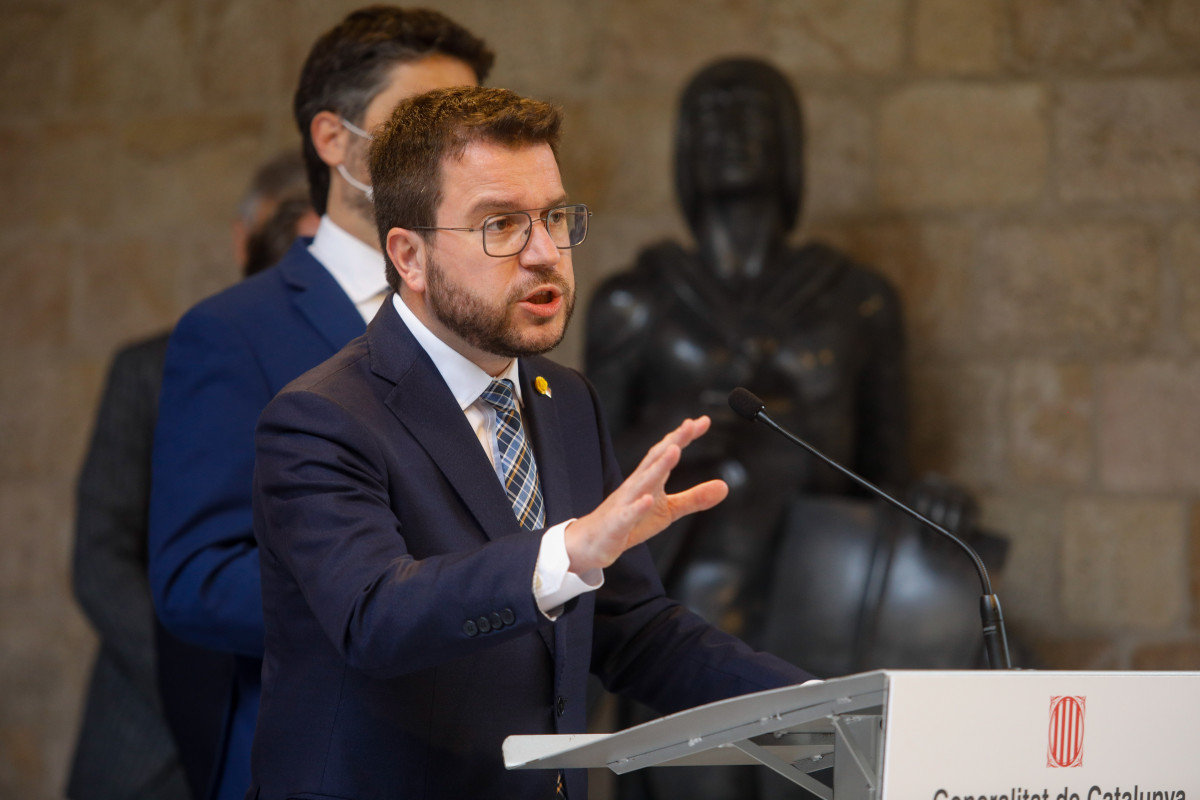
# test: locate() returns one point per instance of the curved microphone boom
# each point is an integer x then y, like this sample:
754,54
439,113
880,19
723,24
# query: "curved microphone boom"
995,641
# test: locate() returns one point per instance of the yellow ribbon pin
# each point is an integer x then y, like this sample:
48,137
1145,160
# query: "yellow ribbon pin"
540,384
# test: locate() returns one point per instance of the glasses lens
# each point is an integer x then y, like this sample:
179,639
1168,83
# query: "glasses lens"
567,225
506,234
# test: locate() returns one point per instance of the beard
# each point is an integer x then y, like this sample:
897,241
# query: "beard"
489,327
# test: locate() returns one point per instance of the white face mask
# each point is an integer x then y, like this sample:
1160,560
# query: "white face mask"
365,188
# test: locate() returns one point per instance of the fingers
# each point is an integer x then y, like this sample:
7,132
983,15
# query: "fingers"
597,539
651,475
640,507
698,498
654,517
687,432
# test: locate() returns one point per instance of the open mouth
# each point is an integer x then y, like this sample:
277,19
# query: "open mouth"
542,298
545,301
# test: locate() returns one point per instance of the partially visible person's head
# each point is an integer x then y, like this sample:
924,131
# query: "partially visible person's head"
739,130
278,179
293,217
460,160
354,62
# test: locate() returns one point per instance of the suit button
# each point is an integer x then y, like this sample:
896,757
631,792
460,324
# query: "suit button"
497,623
484,625
562,705
507,616
469,628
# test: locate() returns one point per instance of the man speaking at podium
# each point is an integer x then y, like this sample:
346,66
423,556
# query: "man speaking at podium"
447,546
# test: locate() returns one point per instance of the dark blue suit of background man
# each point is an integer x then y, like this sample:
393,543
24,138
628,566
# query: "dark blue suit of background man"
417,610
231,353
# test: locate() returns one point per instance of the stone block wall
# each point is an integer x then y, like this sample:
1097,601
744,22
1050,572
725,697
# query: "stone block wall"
1026,171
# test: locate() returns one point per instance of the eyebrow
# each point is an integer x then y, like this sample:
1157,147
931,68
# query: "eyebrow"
488,206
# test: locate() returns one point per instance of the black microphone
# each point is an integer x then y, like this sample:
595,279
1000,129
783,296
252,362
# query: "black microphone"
995,641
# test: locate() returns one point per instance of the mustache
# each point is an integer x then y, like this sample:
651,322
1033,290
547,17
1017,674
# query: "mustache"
540,278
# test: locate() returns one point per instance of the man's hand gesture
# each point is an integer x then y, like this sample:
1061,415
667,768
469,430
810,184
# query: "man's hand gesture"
640,507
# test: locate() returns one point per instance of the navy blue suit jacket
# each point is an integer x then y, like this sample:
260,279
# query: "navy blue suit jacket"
403,638
227,358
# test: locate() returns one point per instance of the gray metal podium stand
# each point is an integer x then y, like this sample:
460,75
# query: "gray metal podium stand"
947,733
794,731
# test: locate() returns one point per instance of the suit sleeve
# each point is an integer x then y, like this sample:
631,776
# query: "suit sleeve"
204,566
109,560
387,562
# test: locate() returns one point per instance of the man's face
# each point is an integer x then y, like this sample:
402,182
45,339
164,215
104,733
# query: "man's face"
436,71
494,309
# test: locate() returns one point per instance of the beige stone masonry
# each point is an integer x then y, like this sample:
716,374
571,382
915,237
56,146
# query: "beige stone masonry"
1128,140
947,145
1182,656
955,411
1149,426
829,36
1066,287
956,37
1185,262
1123,564
1102,35
1051,407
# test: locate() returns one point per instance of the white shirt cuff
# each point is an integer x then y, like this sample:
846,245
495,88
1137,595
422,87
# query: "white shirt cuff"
553,582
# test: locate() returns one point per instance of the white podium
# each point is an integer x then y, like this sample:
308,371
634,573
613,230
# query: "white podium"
936,735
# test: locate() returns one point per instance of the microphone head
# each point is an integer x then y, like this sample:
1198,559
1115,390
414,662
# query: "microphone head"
745,403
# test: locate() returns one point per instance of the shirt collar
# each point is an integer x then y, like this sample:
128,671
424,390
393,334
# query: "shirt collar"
356,266
464,377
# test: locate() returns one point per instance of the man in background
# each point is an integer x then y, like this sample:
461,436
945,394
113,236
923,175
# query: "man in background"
231,353
276,201
293,217
152,714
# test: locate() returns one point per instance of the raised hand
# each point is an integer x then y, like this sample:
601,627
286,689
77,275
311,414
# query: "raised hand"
640,507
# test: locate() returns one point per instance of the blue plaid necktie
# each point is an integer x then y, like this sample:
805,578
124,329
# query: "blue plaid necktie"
517,467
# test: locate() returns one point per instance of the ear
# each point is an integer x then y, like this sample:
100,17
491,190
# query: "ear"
407,251
329,137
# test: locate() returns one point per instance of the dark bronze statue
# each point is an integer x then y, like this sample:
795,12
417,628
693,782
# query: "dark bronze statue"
820,339
817,336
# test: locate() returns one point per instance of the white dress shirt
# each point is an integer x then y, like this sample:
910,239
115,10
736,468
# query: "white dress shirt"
356,266
553,582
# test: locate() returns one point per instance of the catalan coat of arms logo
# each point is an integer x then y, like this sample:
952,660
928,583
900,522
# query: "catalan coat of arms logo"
1065,748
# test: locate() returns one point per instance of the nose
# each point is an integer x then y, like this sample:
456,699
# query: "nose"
541,250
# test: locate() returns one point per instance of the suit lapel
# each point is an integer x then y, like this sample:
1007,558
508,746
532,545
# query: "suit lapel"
319,297
540,417
423,403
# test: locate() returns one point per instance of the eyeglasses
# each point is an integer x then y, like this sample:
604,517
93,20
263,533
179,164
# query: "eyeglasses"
508,234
